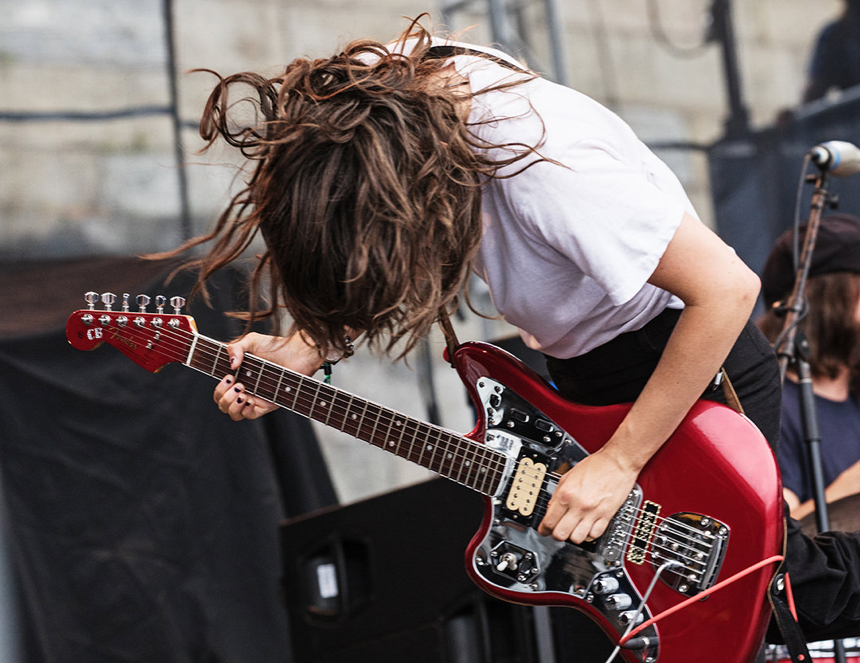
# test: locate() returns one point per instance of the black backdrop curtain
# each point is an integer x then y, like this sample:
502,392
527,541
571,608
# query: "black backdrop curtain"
141,524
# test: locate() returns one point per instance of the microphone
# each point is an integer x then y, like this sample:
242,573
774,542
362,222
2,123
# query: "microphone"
836,156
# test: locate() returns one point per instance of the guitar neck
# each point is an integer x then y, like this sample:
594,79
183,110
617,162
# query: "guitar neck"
448,454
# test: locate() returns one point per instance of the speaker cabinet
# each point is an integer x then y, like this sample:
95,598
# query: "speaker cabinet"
384,580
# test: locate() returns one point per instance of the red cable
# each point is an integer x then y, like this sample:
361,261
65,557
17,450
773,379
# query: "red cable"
790,596
700,595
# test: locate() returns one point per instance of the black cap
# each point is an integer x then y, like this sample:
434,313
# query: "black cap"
837,249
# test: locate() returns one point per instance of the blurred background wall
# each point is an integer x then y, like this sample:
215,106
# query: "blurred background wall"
89,123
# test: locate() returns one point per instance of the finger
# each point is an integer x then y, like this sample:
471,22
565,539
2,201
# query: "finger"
237,400
225,385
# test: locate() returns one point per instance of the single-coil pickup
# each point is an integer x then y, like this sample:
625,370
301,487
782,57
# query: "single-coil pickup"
526,486
644,530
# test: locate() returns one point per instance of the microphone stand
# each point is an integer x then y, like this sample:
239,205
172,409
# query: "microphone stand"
793,351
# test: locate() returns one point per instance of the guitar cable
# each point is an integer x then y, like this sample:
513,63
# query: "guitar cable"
627,640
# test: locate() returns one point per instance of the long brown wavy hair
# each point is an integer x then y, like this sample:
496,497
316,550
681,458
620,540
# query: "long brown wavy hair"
830,326
366,186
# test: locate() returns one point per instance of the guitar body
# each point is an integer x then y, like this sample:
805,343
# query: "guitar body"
712,491
707,506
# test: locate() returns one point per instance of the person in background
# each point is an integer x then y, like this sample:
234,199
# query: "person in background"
835,63
831,327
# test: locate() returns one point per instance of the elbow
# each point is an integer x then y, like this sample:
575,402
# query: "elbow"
743,290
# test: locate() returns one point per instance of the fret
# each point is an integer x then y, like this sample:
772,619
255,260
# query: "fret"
330,405
361,420
373,432
464,461
259,377
217,358
296,389
452,456
347,412
337,394
423,449
291,388
278,386
402,424
387,439
314,399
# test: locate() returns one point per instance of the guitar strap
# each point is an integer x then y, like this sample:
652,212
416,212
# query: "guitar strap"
450,335
729,392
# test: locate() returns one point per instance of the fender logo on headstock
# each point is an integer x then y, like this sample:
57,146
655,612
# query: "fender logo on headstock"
115,335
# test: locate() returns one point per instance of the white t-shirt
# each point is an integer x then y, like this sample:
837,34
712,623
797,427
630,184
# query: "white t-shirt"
567,250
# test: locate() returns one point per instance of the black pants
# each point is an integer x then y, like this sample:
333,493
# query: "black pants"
825,570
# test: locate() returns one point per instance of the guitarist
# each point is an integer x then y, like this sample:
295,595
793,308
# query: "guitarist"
381,177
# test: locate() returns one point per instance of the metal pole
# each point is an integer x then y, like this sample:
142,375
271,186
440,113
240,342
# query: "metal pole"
182,178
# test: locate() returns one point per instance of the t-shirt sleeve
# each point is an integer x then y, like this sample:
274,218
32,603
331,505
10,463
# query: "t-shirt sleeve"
603,214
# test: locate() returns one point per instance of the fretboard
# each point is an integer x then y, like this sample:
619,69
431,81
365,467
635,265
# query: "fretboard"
448,454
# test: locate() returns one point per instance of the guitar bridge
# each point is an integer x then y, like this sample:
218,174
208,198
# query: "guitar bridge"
695,541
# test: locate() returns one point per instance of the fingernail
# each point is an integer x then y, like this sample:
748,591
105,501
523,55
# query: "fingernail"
228,380
232,362
236,389
238,400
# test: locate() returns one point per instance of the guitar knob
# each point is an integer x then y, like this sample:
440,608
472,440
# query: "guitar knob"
160,301
626,618
605,585
143,302
177,303
108,298
618,601
92,298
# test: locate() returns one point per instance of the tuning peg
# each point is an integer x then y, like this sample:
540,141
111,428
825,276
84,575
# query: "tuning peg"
160,301
142,302
92,298
177,303
125,297
108,298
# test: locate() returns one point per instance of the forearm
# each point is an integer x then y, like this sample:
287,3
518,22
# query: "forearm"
702,339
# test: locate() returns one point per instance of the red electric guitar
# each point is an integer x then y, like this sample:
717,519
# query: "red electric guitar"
706,508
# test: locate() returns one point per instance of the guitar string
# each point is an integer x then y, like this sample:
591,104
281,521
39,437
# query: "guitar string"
381,416
180,356
264,366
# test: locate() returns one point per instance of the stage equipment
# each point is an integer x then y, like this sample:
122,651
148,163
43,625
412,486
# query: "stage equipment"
837,157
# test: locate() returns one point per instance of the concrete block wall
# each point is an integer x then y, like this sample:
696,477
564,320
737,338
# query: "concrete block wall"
74,188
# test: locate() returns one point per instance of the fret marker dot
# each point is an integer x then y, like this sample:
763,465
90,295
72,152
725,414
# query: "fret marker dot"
323,403
468,462
398,423
248,373
353,416
390,443
288,389
450,455
429,447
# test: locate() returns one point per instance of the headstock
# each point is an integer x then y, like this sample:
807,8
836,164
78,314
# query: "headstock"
149,339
